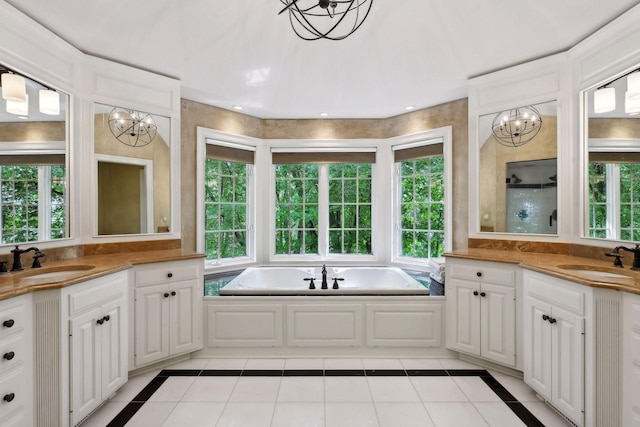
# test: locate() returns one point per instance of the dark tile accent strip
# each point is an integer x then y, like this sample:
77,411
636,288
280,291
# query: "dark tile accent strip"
125,415
468,373
303,373
499,389
344,373
149,389
261,373
221,373
385,373
427,373
523,413
180,373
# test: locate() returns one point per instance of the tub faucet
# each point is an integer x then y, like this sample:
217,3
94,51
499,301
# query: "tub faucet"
324,277
17,263
636,255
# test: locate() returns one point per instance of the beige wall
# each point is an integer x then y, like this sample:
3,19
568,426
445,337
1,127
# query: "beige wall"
32,131
195,114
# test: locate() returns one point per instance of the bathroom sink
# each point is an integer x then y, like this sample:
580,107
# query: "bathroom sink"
53,274
595,272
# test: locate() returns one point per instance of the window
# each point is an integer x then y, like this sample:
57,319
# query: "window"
32,200
323,203
226,200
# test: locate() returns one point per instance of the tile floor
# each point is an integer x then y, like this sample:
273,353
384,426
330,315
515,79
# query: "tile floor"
447,396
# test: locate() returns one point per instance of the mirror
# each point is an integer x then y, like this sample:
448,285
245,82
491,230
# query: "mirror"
613,163
34,202
132,165
518,176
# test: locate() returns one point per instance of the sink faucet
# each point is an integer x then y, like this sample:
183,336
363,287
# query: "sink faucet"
636,255
17,263
324,277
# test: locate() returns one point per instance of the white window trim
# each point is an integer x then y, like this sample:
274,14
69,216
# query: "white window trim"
440,135
234,141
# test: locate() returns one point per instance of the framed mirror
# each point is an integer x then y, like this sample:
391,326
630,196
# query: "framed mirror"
518,170
612,172
34,135
132,156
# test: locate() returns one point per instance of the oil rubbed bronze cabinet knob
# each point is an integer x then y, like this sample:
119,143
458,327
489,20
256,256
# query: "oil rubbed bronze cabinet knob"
475,293
9,355
170,275
8,323
173,293
9,397
479,274
166,294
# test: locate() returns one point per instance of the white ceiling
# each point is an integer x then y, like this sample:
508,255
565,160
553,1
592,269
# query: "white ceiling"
241,52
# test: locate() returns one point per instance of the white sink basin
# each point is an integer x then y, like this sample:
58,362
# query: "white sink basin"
598,273
52,274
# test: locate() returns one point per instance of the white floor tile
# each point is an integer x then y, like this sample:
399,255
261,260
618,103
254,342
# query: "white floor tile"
301,389
458,364
343,364
456,414
172,390
189,364
341,414
195,414
392,389
104,415
256,389
210,389
517,387
498,414
304,364
152,414
438,389
305,414
476,389
258,364
236,364
402,414
134,386
346,389
382,364
545,414
421,364
252,414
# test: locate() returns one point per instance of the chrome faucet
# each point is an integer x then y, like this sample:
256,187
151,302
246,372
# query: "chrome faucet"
324,277
636,255
17,263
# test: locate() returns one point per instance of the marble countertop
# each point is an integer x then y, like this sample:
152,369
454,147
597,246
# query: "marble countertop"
585,271
80,269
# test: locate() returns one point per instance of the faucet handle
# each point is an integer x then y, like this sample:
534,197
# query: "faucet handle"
36,259
3,266
335,282
312,285
616,262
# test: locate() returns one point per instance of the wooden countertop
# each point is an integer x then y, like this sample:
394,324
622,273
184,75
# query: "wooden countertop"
567,267
80,269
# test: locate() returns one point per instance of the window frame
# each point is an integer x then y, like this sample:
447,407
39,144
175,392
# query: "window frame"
442,136
210,136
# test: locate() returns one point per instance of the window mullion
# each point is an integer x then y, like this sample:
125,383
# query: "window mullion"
323,210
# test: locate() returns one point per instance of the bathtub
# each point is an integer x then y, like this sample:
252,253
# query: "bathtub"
289,281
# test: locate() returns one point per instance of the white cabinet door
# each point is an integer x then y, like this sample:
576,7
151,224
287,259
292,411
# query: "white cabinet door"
185,317
113,351
567,345
537,346
84,364
463,314
152,323
497,323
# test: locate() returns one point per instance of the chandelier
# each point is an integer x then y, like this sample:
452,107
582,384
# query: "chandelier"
516,127
326,19
132,128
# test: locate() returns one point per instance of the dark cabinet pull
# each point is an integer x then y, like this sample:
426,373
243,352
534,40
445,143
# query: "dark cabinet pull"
8,356
483,294
170,275
9,397
475,293
166,294
479,274
173,293
106,318
100,321
8,323
545,317
552,320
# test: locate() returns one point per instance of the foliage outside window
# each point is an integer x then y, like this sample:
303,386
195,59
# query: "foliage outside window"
614,200
225,188
32,203
422,207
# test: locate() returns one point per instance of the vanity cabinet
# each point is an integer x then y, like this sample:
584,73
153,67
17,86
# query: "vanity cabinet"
16,386
481,309
168,310
554,344
631,361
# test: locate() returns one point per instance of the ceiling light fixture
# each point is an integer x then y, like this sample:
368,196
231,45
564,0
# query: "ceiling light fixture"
631,106
513,128
132,128
326,19
20,108
604,100
633,85
14,91
49,102
14,87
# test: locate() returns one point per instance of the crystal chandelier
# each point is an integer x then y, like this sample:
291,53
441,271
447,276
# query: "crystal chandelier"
516,127
326,19
132,128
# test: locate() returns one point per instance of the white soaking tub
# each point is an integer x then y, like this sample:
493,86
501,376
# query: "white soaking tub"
351,281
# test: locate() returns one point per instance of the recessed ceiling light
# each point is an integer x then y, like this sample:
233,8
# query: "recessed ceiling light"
324,114
409,107
238,107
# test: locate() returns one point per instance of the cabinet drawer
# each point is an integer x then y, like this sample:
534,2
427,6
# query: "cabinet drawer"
12,352
163,273
96,292
482,272
555,291
13,394
12,320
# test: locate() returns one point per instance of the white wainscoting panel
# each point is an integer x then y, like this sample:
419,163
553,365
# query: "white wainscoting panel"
257,325
404,325
324,325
